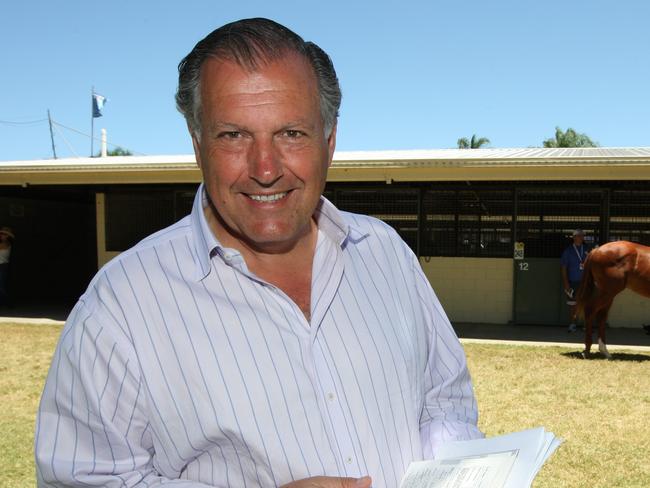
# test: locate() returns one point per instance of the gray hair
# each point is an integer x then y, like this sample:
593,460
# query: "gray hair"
247,42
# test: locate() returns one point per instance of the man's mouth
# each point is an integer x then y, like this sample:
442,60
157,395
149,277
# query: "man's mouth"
274,197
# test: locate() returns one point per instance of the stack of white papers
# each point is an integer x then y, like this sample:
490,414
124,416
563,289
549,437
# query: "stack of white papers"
507,461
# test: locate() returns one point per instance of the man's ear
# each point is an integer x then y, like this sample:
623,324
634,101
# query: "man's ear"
196,144
331,145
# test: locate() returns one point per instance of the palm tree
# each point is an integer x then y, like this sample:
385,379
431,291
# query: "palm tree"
473,143
569,138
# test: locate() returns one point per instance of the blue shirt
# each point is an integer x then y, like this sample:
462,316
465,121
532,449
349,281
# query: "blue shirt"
572,258
179,365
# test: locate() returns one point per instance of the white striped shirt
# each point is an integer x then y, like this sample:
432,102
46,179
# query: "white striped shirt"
179,364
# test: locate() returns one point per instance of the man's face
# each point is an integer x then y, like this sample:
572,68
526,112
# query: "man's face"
262,150
578,239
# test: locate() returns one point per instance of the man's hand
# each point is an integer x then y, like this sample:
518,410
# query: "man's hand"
330,482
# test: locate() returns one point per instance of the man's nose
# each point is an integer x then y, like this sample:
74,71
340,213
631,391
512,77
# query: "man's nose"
264,163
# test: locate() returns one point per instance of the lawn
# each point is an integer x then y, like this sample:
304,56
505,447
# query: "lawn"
25,355
599,407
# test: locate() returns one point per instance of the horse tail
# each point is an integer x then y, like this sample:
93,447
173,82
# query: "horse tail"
586,289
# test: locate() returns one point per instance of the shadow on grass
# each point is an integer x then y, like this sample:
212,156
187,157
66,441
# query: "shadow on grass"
616,356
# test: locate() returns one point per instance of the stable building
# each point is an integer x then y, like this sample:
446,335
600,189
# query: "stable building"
488,225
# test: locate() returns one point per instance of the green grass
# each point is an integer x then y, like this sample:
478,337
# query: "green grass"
25,355
601,408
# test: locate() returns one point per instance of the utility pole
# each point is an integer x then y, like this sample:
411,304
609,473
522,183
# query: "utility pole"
92,119
49,119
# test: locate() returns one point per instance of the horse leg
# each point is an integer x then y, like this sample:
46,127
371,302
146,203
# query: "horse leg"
589,320
611,278
602,320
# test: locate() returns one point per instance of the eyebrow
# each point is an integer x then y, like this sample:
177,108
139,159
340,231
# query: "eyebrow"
218,126
226,126
296,123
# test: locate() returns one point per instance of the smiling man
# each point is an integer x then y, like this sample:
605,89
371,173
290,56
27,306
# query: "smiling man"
267,339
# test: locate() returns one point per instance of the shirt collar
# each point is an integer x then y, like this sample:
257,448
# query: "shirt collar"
331,222
329,219
205,242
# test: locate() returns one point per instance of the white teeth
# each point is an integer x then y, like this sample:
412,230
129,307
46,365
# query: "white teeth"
268,198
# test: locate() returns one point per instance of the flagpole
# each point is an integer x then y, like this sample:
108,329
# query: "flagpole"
92,119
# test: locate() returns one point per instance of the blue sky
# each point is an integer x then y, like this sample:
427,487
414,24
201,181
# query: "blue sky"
415,74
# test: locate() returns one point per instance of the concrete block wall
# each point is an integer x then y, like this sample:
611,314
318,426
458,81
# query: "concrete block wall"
629,310
481,290
472,289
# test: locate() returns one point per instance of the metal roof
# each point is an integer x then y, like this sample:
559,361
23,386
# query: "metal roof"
501,154
602,163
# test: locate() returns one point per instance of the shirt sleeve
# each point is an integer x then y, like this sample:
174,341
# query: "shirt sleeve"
564,260
92,427
450,411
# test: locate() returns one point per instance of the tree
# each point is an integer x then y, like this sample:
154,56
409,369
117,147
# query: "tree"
569,138
473,143
118,151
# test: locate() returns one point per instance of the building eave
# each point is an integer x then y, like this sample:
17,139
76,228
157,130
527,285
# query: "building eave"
528,164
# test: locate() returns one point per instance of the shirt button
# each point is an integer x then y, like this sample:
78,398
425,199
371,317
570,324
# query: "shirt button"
331,396
348,459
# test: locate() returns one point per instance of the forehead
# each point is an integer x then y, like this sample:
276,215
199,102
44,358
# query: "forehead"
290,75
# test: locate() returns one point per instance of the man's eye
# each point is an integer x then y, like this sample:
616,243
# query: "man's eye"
293,134
231,134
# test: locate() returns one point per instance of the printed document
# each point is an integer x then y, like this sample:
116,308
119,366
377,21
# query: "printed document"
506,461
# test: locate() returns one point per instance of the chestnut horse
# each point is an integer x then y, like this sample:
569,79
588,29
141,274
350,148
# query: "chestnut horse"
609,269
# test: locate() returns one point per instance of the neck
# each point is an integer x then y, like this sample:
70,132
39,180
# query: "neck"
289,267
265,254
280,256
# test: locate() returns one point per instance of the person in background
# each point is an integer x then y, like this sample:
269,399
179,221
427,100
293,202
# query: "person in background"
6,242
572,265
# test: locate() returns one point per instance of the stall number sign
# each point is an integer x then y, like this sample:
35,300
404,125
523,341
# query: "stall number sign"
519,250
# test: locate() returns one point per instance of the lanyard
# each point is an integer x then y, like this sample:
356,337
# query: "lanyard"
580,254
